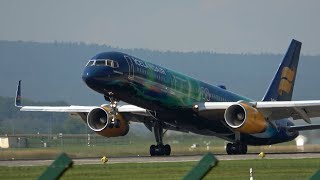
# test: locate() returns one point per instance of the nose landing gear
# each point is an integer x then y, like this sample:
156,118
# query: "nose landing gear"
113,111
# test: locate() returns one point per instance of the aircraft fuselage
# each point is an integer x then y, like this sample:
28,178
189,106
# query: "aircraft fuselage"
172,95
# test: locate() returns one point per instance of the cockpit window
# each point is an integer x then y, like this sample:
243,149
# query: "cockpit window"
90,63
115,64
100,63
103,62
109,63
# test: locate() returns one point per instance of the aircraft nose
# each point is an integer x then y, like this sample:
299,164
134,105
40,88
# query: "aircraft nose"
86,77
93,76
89,76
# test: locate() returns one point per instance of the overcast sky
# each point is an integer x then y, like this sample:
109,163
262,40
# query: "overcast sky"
239,26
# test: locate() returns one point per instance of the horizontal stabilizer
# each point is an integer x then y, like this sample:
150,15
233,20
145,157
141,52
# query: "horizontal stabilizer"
304,127
222,87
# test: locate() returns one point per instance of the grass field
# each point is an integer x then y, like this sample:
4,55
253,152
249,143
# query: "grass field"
131,146
237,169
135,149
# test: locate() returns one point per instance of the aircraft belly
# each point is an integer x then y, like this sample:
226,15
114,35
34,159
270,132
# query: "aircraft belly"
272,135
188,120
213,115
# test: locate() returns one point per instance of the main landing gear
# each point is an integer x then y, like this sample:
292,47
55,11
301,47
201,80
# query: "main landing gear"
236,148
159,149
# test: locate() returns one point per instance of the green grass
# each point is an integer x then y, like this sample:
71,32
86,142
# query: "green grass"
134,149
237,169
130,145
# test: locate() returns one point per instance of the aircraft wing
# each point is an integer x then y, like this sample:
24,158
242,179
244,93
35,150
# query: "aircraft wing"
131,112
70,109
74,109
272,109
81,109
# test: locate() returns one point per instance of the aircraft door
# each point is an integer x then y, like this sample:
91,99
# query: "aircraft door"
130,67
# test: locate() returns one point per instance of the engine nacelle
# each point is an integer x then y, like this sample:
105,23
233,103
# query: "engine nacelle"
99,120
245,119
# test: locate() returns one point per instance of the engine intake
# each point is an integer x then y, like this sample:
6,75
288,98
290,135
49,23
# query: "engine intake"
245,119
99,120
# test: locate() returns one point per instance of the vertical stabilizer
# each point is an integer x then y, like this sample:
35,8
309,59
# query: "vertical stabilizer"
281,87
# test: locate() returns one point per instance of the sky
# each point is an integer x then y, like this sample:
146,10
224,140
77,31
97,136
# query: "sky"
224,26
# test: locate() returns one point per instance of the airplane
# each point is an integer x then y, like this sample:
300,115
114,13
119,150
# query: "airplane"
163,99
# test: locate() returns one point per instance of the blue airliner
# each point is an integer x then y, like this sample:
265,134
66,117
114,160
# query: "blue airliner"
163,99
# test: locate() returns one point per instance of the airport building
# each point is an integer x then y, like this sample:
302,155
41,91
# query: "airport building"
13,142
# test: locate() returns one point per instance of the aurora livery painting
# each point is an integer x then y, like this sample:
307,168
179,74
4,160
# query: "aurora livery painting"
163,99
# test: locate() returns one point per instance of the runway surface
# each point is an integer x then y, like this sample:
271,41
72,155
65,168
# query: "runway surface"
148,159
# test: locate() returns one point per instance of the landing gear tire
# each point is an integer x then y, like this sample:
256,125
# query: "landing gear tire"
152,150
167,150
160,150
117,123
111,125
228,148
236,148
243,149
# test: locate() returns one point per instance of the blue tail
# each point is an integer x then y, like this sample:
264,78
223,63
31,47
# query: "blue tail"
282,85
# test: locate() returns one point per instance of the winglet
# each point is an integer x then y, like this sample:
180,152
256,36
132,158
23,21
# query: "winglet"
18,96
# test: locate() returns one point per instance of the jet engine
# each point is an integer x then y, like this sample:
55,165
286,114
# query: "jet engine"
99,120
245,119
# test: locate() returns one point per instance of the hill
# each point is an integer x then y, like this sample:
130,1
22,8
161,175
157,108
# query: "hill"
51,74
12,121
52,71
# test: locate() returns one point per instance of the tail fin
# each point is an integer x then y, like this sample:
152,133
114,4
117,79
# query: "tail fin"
282,85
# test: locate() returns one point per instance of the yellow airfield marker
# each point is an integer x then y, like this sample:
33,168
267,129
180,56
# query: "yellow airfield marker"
104,159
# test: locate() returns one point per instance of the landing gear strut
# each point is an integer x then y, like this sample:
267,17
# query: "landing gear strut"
236,148
113,111
159,149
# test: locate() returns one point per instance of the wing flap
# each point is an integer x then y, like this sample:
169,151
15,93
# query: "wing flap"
295,109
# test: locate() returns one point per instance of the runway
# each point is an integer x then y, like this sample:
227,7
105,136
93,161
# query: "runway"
148,159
